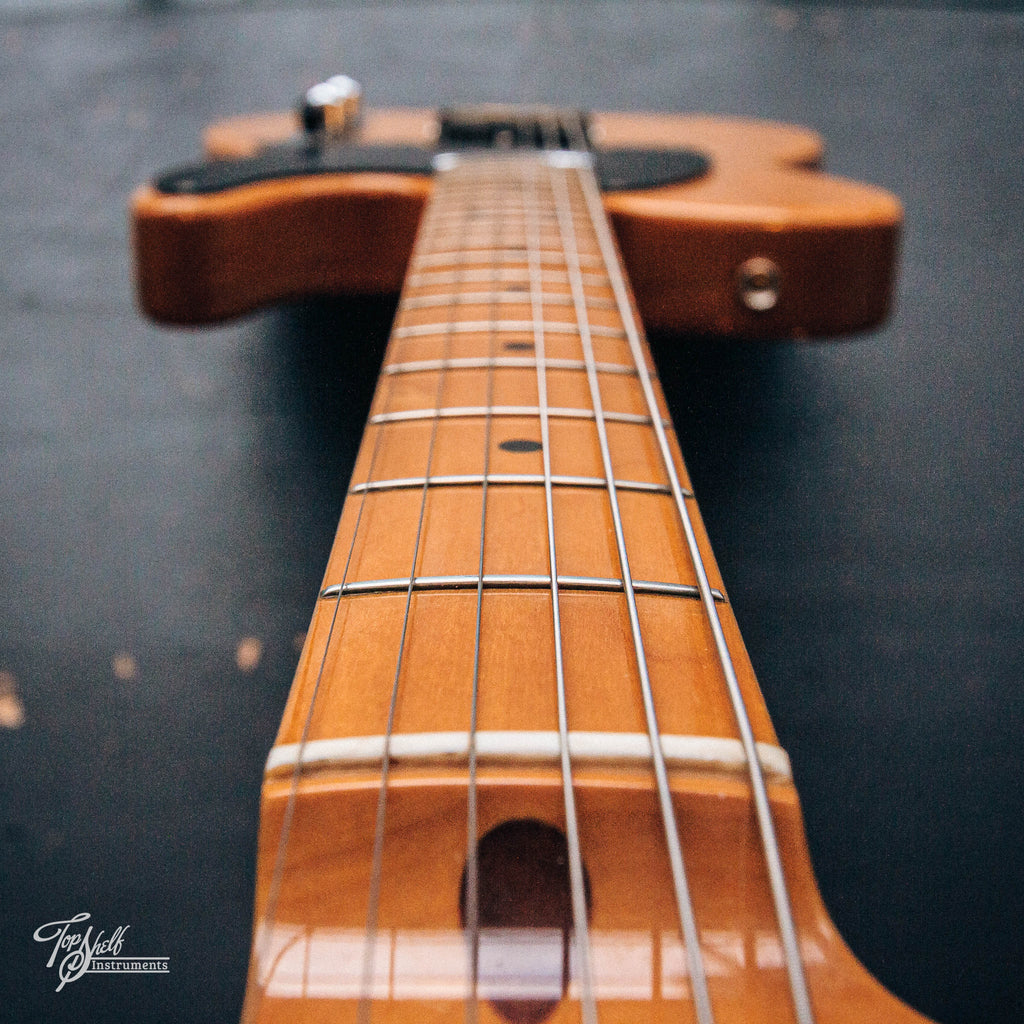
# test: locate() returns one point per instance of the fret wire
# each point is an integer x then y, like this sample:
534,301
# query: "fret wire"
510,326
496,209
502,363
684,902
508,479
769,841
489,211
578,893
518,275
472,298
470,411
513,581
373,901
491,256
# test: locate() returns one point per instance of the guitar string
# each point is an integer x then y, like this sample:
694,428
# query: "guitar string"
577,887
286,827
280,857
684,902
427,232
472,910
769,840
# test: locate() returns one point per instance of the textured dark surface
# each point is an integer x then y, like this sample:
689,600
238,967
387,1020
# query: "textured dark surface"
166,494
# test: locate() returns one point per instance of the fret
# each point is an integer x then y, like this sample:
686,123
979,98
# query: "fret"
501,362
471,256
511,479
508,275
502,297
407,415
507,208
478,252
508,581
502,327
482,217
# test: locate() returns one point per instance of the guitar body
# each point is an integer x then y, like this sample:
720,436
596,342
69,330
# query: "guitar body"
833,241
525,771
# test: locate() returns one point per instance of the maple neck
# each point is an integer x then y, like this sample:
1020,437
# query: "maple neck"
525,761
520,574
512,468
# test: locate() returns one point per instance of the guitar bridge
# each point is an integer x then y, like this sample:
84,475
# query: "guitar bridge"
513,126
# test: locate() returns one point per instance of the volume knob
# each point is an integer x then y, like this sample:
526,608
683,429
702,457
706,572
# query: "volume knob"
331,108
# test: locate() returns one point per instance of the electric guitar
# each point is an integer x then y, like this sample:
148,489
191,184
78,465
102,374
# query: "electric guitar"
525,771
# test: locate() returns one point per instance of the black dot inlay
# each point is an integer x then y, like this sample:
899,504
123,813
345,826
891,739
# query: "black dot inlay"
519,346
520,444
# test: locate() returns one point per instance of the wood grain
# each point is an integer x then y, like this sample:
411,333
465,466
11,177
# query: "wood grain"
206,258
404,659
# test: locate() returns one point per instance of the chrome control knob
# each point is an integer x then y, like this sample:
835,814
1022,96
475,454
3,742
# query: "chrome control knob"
331,108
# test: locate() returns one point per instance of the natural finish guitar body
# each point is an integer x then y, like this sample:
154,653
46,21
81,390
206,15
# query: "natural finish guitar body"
525,771
834,241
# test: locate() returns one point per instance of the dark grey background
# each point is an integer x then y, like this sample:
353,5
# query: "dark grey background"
164,494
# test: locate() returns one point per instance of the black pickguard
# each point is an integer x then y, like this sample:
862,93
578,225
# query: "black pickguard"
616,169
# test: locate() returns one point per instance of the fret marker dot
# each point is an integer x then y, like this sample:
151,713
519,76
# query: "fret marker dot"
519,346
520,444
